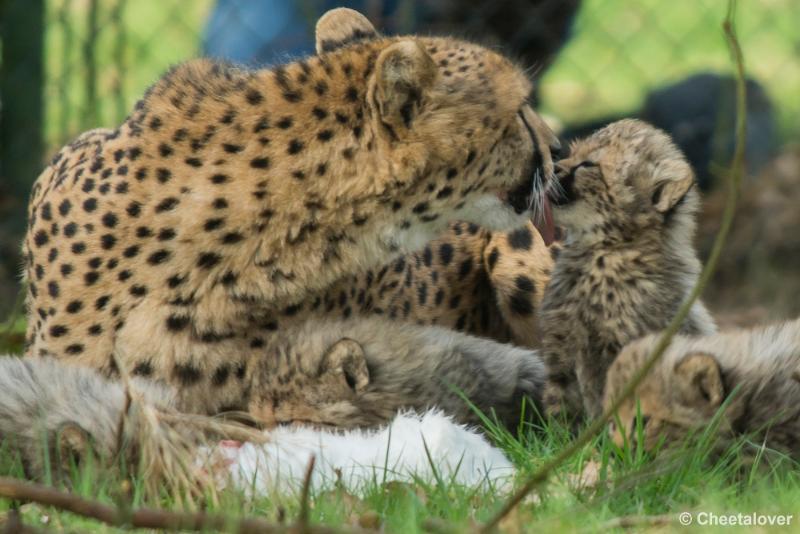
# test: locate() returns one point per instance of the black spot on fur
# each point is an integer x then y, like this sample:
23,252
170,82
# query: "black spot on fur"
520,239
254,97
101,302
166,204
221,375
109,220
142,369
138,290
176,323
175,280
108,241
64,207
166,234
208,260
158,257
520,303
163,175
213,224
89,205
465,268
259,163
231,238
74,349
186,374
41,238
58,330
295,147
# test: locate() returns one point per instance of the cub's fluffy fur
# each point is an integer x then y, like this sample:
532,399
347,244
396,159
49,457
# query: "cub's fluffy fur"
626,199
316,375
360,373
758,369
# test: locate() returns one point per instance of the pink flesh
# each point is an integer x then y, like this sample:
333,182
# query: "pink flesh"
544,223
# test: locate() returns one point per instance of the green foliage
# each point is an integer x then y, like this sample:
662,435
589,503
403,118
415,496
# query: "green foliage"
599,484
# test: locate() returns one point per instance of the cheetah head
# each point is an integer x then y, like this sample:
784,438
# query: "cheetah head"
679,396
451,126
621,181
334,390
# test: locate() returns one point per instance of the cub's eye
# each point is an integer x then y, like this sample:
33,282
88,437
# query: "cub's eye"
585,165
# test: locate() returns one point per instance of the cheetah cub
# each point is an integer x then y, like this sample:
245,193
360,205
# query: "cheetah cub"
626,199
313,375
318,374
757,370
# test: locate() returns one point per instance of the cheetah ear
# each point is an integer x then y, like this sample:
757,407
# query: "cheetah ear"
669,192
699,381
73,444
404,73
341,27
346,359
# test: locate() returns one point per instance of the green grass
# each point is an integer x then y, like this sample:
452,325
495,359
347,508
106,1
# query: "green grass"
623,482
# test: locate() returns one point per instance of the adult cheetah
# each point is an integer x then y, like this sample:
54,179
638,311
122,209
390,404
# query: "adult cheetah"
232,203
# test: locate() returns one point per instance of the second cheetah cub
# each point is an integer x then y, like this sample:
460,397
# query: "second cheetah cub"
360,374
758,369
626,199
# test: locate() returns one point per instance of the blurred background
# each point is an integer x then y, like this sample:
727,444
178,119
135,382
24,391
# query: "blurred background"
71,65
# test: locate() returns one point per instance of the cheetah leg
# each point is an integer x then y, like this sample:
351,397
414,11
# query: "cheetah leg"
519,264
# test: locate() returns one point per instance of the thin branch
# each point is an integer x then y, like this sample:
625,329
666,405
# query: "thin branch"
736,171
305,495
11,488
13,524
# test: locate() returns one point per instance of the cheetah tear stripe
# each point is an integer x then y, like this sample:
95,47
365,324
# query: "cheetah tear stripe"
356,458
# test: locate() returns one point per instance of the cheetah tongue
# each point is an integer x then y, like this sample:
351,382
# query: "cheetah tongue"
544,223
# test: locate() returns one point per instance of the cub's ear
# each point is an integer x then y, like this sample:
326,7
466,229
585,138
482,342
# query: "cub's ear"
699,380
667,193
404,73
346,360
73,444
341,27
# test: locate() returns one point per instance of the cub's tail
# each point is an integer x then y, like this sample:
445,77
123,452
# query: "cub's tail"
54,416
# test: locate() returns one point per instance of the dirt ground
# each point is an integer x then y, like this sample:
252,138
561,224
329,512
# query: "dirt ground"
758,278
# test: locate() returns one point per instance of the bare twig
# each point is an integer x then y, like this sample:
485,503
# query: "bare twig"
305,495
11,488
13,524
735,178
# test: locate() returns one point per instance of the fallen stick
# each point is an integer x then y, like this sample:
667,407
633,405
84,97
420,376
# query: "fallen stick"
153,518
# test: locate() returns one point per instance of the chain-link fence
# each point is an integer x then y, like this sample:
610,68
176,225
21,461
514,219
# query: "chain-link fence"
71,65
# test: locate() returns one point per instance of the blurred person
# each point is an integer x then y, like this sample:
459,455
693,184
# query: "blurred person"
267,32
